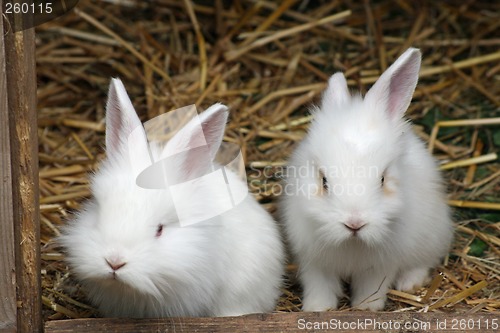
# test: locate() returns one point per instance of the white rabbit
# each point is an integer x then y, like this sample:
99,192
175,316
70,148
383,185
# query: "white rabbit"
133,258
363,199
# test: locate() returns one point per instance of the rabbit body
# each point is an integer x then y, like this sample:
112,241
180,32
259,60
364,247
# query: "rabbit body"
363,200
134,259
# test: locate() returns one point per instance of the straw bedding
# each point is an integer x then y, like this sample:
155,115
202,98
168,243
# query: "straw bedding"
269,62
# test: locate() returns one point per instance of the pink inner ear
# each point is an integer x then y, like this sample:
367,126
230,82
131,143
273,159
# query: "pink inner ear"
213,124
393,91
121,118
401,89
198,141
213,131
114,122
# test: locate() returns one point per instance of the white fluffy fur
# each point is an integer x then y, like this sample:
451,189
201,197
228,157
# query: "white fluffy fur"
229,265
407,226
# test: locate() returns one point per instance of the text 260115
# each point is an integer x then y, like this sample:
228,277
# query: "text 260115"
28,8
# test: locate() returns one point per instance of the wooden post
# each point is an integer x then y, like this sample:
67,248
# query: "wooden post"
8,258
20,290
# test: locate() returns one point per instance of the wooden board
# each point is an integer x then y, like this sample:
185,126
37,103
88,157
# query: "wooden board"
290,322
20,231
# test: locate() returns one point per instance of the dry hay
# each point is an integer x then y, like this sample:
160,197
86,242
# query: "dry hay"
269,62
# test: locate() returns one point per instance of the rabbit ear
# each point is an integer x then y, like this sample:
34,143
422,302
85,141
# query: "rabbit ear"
121,121
393,91
213,122
198,141
337,91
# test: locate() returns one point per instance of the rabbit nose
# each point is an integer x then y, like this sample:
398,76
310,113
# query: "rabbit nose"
115,263
354,225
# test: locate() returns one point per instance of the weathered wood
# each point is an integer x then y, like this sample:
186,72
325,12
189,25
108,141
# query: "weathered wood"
290,322
20,76
7,256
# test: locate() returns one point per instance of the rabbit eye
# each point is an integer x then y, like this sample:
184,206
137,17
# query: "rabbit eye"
324,181
382,179
159,230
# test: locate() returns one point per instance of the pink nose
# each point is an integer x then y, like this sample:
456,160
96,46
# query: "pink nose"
354,225
115,264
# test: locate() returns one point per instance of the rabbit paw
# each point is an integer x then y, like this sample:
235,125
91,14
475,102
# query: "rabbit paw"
412,279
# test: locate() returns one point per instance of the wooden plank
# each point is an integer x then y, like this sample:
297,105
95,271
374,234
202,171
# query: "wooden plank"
21,95
290,322
7,263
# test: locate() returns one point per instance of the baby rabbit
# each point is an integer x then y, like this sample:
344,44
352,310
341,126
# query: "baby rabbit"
133,257
363,200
